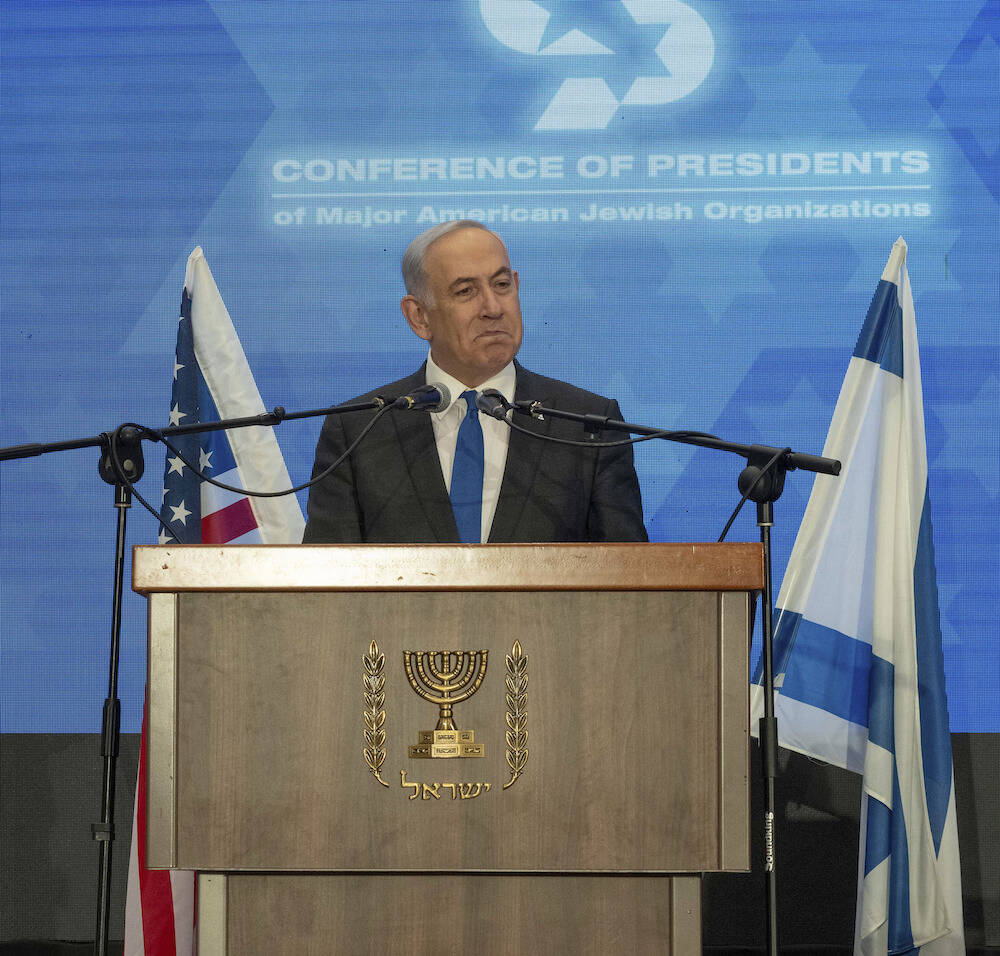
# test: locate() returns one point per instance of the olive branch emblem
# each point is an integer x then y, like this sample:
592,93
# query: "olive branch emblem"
517,717
375,711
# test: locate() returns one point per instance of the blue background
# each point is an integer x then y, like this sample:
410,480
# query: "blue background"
134,131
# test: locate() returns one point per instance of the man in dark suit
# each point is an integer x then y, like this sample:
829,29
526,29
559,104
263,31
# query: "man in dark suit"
462,298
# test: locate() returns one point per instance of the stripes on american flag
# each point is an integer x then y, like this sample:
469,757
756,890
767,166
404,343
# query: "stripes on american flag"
159,911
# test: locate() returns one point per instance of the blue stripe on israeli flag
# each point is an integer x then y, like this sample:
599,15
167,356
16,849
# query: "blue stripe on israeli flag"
935,739
881,339
858,661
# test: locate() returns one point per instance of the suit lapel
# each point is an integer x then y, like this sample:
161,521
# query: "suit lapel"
523,456
419,449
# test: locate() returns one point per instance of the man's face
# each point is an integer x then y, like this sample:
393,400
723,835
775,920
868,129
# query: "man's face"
472,316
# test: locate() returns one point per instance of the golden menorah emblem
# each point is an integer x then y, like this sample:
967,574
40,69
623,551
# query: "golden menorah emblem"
445,678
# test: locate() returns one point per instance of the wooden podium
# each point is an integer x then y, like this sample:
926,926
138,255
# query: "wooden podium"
294,700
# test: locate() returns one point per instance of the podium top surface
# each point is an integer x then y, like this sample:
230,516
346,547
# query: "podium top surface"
449,567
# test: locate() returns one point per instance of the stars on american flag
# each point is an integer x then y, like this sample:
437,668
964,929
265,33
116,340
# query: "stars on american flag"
204,460
181,508
180,513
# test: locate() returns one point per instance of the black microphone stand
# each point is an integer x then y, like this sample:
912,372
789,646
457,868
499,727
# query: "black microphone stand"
121,465
762,481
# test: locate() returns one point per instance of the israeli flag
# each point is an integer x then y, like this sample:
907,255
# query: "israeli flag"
859,671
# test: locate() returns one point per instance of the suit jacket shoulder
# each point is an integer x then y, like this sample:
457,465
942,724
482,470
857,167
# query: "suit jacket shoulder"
539,387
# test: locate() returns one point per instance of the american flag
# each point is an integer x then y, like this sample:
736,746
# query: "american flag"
196,511
212,380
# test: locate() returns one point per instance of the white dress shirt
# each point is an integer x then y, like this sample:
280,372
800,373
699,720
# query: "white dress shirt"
496,434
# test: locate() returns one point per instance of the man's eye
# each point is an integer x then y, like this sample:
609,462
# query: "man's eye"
464,292
502,285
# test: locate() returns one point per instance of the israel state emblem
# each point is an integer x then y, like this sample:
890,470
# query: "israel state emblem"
446,678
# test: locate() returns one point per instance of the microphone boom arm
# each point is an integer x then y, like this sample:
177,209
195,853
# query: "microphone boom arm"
753,453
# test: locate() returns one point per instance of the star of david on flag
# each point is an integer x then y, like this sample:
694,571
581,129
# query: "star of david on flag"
212,380
859,670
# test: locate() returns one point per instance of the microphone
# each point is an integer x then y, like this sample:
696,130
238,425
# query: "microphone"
433,397
491,402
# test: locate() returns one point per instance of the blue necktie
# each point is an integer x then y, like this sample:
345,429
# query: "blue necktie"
467,474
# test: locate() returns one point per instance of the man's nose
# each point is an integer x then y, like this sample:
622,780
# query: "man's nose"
492,306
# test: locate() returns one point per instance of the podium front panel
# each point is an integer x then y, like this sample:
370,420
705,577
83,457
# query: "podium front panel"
612,728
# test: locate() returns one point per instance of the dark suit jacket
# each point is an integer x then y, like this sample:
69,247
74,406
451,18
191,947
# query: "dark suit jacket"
391,489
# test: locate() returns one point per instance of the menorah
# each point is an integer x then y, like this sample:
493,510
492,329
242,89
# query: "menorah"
446,678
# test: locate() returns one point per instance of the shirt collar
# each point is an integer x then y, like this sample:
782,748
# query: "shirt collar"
504,382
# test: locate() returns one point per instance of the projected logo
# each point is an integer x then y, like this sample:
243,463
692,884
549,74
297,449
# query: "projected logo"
627,53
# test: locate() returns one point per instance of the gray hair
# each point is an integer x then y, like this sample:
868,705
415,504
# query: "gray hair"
414,276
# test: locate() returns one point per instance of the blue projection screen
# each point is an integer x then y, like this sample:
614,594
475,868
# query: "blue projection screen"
699,198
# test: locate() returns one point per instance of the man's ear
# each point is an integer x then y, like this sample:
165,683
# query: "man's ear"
416,317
